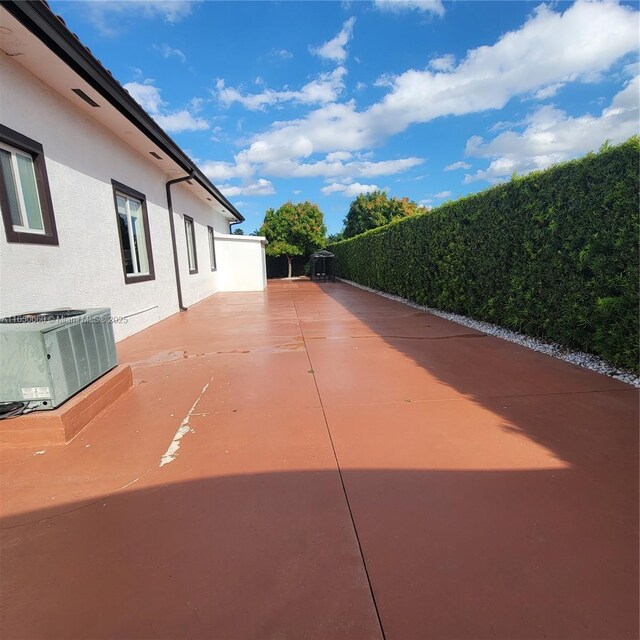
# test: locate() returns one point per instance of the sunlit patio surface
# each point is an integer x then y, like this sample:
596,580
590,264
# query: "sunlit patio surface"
316,461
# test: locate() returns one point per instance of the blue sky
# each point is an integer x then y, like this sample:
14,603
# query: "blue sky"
321,101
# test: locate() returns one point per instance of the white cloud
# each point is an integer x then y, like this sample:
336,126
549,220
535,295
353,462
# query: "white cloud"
215,170
385,80
443,63
325,88
181,121
550,135
229,191
260,158
551,47
457,165
501,125
218,134
332,127
338,156
335,49
196,104
261,187
279,54
549,91
147,95
442,194
334,168
261,151
110,17
431,6
167,52
349,190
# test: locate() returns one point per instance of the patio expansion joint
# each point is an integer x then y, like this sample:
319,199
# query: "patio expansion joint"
86,505
344,489
57,515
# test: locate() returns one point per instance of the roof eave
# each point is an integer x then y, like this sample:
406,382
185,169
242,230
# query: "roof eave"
36,16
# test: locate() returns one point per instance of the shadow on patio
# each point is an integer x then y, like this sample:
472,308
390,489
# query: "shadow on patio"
273,556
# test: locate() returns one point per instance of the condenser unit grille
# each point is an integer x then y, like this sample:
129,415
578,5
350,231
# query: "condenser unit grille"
80,352
51,361
68,361
101,347
88,334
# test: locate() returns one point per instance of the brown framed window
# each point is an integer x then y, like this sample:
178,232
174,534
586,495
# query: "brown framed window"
212,248
133,228
25,199
192,254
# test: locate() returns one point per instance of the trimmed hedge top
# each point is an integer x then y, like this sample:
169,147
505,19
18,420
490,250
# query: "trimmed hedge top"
553,255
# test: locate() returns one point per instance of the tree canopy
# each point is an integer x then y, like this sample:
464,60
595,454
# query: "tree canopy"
335,237
293,230
371,210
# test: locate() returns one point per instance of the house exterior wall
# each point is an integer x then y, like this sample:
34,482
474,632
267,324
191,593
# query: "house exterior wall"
195,286
240,260
85,269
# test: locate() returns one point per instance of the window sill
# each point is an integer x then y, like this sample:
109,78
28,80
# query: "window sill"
22,237
129,279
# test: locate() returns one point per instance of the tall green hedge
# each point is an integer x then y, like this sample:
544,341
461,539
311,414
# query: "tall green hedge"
553,254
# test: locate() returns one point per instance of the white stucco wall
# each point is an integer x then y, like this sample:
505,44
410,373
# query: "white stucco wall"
240,260
195,286
245,257
85,269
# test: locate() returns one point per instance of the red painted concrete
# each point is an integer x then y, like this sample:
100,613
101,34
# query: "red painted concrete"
494,490
43,428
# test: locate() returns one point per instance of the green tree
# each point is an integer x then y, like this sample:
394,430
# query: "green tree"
293,230
238,232
335,237
371,210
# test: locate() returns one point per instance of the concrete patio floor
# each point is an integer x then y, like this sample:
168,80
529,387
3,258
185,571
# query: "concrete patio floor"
316,461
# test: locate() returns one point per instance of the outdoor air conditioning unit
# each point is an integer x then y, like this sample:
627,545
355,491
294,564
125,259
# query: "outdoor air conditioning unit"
49,356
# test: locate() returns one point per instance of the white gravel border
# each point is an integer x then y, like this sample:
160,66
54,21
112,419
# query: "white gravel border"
579,358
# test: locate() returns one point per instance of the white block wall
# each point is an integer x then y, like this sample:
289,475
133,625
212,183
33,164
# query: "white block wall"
85,269
246,254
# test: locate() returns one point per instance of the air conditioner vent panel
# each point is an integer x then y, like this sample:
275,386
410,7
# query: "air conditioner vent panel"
50,360
80,353
68,361
92,349
101,346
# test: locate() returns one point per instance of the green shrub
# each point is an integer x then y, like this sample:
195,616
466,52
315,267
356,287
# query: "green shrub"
553,254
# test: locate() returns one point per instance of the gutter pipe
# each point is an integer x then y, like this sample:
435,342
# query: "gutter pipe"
176,264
